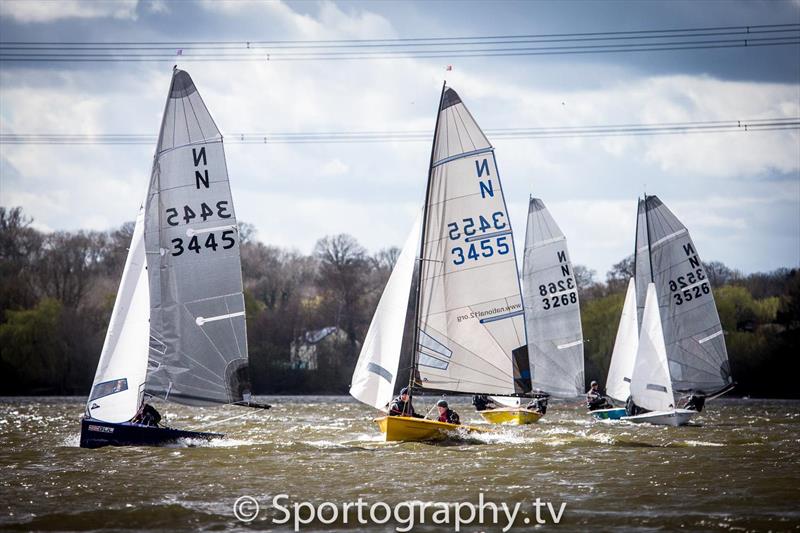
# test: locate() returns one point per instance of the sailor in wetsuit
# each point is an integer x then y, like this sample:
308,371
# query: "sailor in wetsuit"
595,399
147,416
631,409
539,402
446,414
401,406
696,401
483,402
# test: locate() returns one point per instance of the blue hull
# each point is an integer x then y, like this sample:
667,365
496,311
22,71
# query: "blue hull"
609,414
96,434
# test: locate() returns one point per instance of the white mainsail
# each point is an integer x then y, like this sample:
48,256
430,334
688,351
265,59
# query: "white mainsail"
552,309
651,386
470,306
623,358
119,379
376,371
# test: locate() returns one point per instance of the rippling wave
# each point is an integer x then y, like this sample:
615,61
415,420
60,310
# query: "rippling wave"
738,468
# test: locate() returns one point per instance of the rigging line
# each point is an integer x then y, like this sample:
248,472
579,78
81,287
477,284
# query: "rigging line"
747,28
75,52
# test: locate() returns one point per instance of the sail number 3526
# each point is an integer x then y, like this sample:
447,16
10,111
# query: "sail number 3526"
689,286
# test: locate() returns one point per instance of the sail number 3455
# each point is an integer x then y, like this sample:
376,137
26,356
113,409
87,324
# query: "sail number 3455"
481,247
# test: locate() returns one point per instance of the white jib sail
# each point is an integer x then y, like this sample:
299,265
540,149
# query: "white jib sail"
623,358
470,309
651,386
122,368
376,371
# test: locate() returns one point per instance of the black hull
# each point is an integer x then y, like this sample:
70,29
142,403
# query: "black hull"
96,434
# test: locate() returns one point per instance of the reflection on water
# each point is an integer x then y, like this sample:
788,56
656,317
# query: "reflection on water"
737,468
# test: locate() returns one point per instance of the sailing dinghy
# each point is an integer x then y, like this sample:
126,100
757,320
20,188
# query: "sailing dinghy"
177,330
681,353
623,357
450,319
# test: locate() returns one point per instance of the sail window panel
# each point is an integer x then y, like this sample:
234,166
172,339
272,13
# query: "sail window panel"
109,387
468,372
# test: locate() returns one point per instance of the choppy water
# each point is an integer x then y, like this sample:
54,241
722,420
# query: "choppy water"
737,468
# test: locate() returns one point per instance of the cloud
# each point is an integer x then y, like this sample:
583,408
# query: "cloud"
734,191
44,11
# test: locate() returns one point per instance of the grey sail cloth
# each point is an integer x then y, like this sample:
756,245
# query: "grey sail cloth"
198,341
552,309
698,358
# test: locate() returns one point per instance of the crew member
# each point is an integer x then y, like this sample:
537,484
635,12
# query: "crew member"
446,414
595,399
483,402
401,406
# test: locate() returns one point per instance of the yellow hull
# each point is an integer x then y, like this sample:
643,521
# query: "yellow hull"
510,415
403,428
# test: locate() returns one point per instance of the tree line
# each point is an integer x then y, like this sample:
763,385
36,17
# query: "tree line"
57,291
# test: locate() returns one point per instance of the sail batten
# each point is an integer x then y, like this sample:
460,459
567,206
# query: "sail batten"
552,308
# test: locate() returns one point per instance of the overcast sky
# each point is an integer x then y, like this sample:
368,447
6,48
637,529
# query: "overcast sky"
738,193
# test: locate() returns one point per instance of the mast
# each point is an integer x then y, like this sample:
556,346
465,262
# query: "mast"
635,246
649,250
415,344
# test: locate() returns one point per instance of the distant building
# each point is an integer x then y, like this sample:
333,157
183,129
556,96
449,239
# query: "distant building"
304,352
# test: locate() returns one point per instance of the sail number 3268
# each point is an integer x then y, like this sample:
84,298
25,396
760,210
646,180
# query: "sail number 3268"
560,298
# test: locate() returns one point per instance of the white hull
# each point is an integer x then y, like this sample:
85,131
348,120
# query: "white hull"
673,417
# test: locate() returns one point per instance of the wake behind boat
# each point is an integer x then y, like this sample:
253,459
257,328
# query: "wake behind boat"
177,331
450,319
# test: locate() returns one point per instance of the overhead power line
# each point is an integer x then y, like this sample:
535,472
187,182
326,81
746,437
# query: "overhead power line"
351,137
417,48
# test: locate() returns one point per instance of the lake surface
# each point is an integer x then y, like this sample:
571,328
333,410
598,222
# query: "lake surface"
736,469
